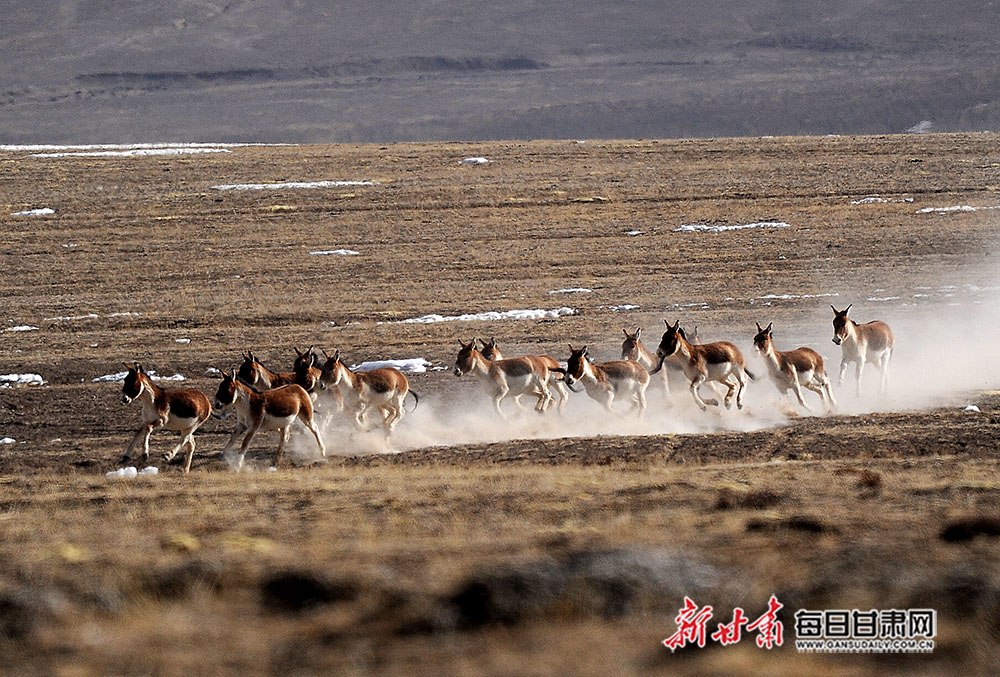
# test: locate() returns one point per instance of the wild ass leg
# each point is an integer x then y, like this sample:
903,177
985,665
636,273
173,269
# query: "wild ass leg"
843,373
144,430
857,375
695,384
884,368
498,395
254,427
190,445
282,439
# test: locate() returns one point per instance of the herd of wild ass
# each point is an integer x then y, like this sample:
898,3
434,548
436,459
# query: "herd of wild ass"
265,400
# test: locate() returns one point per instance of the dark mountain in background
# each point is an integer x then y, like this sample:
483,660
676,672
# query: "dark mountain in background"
319,71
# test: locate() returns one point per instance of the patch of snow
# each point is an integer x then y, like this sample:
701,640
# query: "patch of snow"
69,318
123,473
880,200
956,208
212,371
44,211
71,245
878,299
786,297
701,227
138,152
7,440
21,379
150,470
572,290
182,340
972,407
334,252
416,365
633,233
127,146
118,377
22,327
474,161
129,314
493,315
626,306
291,185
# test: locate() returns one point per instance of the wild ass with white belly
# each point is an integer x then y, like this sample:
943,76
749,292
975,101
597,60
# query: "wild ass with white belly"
794,369
514,376
861,343
492,353
275,409
720,361
383,390
608,381
183,409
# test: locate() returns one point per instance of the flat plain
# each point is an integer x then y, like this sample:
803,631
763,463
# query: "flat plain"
541,545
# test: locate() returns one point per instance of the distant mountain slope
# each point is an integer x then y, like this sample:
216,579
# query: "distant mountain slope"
307,71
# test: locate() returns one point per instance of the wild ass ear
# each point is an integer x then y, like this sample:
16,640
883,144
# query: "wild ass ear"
128,366
625,331
847,308
677,325
768,330
571,348
835,311
638,330
583,350
759,328
493,341
666,323
326,354
297,351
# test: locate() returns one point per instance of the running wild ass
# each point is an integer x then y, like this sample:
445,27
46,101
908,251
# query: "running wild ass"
861,343
275,409
633,349
514,376
720,361
492,353
607,381
382,390
182,409
794,369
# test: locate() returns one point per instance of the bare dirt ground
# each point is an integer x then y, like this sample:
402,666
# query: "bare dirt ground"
538,546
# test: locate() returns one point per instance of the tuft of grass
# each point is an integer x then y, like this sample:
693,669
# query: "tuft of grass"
753,499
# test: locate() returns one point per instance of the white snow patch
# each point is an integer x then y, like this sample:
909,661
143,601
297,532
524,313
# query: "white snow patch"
182,340
701,227
138,152
118,377
150,470
291,185
127,146
212,371
493,315
123,473
972,407
129,314
880,200
21,379
474,161
633,233
416,365
956,208
796,296
878,299
625,306
44,211
68,318
7,440
572,290
22,327
334,252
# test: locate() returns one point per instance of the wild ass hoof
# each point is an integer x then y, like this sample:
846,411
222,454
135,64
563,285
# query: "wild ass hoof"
712,402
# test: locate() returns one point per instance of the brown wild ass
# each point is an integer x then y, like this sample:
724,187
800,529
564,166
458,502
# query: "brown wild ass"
275,409
861,343
492,353
256,375
382,389
794,369
633,349
607,381
182,409
514,376
720,361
